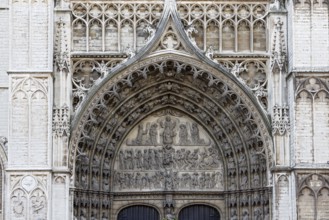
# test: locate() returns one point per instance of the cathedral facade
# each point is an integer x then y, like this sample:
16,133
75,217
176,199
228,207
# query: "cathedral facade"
164,110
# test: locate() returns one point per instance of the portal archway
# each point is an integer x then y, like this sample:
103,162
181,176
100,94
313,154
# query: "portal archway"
233,136
138,212
199,211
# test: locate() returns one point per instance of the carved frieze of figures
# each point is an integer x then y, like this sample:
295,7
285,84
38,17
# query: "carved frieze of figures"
169,157
168,130
168,180
170,152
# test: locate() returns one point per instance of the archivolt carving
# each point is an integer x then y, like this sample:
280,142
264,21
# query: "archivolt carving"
86,72
168,82
252,73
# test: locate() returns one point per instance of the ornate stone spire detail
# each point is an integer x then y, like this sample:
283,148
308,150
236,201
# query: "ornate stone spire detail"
62,58
149,29
189,30
280,121
61,121
279,54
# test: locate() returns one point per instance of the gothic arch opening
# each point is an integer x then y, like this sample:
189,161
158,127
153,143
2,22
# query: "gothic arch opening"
169,129
138,212
199,211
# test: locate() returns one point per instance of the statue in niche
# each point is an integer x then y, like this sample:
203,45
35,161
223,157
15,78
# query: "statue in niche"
233,215
257,214
82,215
256,180
140,133
267,214
168,152
233,185
104,216
183,135
244,181
138,159
245,215
169,131
195,135
153,135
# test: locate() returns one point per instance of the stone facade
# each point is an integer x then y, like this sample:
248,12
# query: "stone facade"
108,105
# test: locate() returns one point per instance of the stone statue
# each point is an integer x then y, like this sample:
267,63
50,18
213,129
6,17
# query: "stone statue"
153,134
233,215
245,215
169,131
183,135
140,133
195,135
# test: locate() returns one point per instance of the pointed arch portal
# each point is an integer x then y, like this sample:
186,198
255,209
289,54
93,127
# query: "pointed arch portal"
170,124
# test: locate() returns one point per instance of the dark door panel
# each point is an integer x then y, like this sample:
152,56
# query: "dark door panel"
199,212
139,212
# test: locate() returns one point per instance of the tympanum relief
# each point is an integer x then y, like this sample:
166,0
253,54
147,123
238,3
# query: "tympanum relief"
168,153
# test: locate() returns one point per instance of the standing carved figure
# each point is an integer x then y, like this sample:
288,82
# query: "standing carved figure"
121,160
195,134
169,131
233,215
138,160
146,163
183,135
140,133
153,134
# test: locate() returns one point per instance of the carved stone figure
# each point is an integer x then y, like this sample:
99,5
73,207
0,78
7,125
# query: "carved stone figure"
245,215
138,160
183,135
140,133
233,215
195,135
257,214
153,134
168,132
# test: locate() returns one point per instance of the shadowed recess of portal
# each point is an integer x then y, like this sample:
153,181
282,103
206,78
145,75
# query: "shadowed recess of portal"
198,212
138,212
